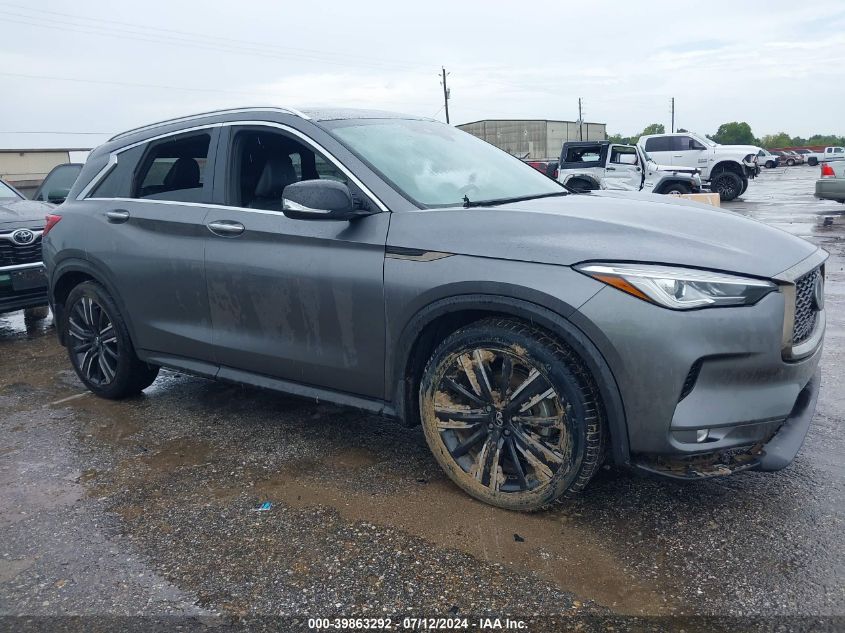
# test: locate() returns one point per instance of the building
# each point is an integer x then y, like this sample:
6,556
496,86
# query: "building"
533,138
24,169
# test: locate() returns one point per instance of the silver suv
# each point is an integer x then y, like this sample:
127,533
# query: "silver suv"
401,266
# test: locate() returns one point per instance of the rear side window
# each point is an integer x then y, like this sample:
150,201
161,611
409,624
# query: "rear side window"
659,144
582,154
174,170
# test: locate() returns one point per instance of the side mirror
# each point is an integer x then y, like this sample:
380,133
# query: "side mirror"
57,196
628,159
319,200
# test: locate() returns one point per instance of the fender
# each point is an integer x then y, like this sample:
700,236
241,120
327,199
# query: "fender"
85,266
552,321
588,177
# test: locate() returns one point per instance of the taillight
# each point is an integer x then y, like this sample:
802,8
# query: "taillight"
827,171
52,220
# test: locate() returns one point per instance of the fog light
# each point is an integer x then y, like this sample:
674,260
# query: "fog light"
701,435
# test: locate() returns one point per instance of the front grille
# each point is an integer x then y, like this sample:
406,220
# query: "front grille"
12,254
805,307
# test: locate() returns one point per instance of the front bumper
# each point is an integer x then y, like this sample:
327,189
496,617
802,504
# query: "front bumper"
12,299
723,371
830,189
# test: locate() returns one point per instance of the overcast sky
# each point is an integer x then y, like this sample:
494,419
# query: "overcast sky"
100,66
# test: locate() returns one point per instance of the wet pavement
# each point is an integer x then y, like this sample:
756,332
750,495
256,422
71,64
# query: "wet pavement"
148,506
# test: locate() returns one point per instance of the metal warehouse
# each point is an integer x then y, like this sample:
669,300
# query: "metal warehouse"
536,139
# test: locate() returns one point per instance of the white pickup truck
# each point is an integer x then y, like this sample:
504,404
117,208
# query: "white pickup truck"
591,165
726,168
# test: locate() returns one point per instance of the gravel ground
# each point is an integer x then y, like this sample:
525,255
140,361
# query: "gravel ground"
148,506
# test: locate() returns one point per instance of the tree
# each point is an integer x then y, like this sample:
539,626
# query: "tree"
681,129
654,128
781,139
734,133
618,138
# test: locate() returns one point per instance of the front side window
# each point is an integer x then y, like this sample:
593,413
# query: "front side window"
436,165
174,170
265,162
622,155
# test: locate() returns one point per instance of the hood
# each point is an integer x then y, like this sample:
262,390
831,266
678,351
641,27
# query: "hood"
20,213
605,225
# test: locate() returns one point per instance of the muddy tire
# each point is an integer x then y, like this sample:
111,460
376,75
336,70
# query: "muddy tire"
99,346
512,415
36,314
727,184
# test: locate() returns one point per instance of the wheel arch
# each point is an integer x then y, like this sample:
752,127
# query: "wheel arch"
585,177
727,165
69,274
432,323
669,181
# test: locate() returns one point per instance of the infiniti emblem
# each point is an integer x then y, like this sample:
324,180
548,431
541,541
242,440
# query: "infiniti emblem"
818,293
23,237
500,420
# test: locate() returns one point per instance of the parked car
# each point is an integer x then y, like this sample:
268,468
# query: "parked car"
793,158
547,167
54,188
407,268
725,168
833,153
768,159
809,155
831,183
592,165
23,285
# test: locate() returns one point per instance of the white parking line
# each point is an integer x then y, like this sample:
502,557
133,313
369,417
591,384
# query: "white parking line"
69,398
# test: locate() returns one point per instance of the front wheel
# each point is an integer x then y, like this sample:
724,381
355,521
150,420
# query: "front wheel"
99,347
770,164
790,162
511,414
676,188
727,184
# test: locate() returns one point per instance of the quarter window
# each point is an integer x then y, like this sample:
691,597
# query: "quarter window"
174,170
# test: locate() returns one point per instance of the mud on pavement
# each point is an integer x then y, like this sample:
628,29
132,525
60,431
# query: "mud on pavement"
149,505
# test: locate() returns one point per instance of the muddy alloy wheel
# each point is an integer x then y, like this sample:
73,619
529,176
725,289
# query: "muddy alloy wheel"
99,346
511,415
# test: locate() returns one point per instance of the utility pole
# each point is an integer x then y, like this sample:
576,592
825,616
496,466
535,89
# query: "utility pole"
673,115
580,122
445,92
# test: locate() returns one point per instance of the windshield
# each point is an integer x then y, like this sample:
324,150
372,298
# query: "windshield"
7,192
436,165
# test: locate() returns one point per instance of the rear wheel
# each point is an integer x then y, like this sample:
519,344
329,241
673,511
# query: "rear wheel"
770,164
581,185
511,415
813,161
790,161
727,184
99,346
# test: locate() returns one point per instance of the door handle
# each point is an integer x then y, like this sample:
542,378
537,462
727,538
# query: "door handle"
610,168
117,216
226,228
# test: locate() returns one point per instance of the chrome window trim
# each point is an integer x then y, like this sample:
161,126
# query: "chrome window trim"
21,266
201,115
113,158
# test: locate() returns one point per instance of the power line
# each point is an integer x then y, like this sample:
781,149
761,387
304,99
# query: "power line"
191,40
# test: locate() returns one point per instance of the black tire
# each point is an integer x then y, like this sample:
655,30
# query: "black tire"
676,188
727,184
744,186
581,185
813,161
770,164
790,162
527,430
36,314
99,346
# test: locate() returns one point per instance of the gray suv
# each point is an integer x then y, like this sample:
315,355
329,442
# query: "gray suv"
401,266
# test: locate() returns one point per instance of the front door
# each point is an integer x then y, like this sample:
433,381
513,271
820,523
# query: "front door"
299,300
623,168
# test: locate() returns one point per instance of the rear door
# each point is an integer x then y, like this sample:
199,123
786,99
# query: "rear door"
149,236
298,300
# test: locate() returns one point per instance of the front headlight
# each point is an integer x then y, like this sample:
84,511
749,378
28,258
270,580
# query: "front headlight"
679,288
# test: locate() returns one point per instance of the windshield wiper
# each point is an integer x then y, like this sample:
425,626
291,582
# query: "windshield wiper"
497,201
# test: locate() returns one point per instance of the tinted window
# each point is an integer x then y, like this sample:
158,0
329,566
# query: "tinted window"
58,181
264,163
174,170
659,144
118,181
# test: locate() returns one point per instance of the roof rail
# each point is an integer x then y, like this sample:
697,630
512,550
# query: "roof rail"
191,117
